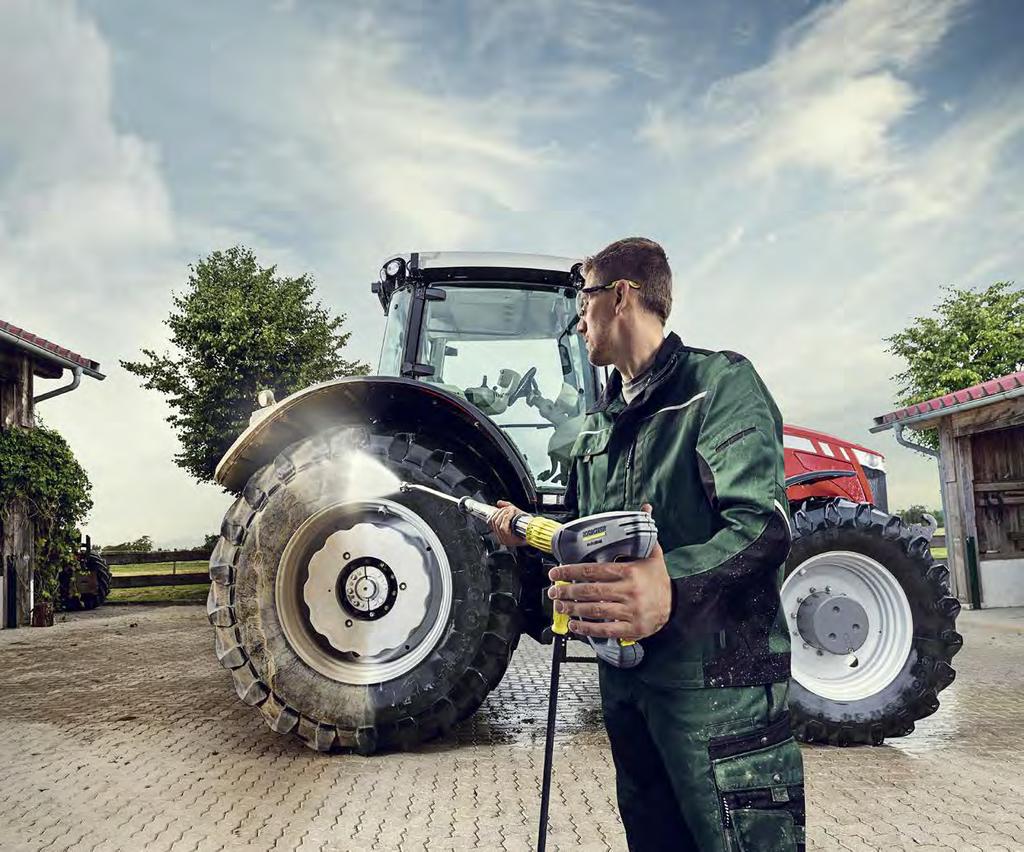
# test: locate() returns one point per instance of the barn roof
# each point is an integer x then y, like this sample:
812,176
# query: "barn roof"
985,393
42,349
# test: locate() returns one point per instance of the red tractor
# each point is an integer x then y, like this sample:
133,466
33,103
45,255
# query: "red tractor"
869,609
355,615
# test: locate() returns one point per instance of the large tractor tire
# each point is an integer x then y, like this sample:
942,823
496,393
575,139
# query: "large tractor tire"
87,587
871,621
354,615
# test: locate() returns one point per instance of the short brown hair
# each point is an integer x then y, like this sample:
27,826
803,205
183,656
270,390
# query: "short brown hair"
636,259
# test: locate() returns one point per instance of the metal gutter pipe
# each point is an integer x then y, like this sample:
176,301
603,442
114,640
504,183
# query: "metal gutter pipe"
75,380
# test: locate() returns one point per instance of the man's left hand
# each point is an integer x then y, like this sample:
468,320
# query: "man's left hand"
635,598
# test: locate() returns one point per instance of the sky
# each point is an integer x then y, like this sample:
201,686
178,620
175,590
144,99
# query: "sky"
815,171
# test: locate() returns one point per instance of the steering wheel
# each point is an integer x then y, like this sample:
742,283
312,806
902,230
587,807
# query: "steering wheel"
523,388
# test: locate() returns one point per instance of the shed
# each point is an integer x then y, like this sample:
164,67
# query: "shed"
24,357
981,471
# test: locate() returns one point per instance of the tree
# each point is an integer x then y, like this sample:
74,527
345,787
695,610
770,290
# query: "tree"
238,328
913,514
974,337
39,471
143,544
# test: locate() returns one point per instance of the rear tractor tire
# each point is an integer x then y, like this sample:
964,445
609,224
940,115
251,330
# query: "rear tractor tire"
871,622
87,587
354,615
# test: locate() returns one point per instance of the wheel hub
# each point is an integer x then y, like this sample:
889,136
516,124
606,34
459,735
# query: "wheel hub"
367,588
859,650
323,598
833,623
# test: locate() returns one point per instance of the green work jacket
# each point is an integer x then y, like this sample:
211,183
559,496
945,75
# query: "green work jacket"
702,443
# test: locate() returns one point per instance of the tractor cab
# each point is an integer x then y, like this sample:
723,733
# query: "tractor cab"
498,330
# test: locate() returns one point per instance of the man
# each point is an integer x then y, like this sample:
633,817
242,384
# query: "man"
699,731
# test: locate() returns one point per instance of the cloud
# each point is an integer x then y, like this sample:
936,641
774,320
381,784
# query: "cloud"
87,237
827,99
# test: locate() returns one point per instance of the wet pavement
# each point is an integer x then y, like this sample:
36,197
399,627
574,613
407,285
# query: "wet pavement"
119,730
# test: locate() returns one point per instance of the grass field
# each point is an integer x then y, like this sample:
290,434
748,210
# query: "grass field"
158,568
160,594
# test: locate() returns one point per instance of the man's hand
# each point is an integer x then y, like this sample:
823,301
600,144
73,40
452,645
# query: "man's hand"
501,524
635,597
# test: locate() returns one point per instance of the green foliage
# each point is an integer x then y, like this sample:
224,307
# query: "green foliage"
974,336
210,542
39,471
915,514
238,328
143,544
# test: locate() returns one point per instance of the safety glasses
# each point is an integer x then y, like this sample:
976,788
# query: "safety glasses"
583,295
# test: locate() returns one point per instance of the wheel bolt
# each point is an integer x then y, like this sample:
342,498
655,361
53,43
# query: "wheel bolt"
813,590
401,586
348,622
828,590
820,653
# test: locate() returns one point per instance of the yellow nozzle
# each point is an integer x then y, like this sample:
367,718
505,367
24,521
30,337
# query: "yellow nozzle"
540,533
559,620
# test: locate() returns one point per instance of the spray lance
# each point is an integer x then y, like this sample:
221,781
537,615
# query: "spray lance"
605,537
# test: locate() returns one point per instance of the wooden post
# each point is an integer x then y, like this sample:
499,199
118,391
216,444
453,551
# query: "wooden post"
956,558
17,534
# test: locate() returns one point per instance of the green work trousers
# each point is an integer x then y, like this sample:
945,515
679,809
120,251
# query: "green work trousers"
708,769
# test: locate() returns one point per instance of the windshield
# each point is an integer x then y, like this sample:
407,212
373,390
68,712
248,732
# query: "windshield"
515,354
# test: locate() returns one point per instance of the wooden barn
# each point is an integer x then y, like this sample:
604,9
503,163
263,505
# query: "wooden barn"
981,469
25,357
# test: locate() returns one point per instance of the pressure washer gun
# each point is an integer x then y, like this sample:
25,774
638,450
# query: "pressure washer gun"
606,537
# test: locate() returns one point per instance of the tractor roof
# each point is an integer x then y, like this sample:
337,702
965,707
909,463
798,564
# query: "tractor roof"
492,260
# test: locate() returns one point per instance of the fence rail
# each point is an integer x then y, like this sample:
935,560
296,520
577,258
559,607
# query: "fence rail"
127,557
142,581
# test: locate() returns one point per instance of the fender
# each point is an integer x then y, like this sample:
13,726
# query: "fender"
397,404
817,476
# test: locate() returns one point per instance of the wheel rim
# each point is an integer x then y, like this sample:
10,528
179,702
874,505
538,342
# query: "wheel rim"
855,584
364,591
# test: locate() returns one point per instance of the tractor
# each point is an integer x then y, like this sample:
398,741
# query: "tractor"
358,616
85,583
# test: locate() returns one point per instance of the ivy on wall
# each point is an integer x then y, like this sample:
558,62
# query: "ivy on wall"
39,471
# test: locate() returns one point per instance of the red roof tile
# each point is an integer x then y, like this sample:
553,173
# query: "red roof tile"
952,401
60,353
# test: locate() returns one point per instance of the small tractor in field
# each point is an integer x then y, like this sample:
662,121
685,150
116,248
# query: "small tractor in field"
356,615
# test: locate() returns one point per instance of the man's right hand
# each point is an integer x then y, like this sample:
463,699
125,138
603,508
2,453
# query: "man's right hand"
501,524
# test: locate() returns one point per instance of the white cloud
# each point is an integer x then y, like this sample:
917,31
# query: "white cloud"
87,235
828,98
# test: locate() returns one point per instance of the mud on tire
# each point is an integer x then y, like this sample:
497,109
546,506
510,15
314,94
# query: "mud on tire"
469,658
841,525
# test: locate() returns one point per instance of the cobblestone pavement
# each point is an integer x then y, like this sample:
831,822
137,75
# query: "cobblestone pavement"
118,730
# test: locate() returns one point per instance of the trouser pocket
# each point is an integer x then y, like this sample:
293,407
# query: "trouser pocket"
759,778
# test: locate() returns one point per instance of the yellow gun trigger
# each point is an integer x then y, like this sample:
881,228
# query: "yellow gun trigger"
559,620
